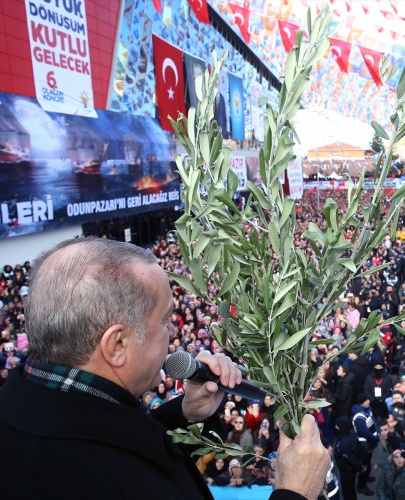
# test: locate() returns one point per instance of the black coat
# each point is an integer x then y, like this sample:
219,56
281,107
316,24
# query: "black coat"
64,445
360,369
343,396
385,384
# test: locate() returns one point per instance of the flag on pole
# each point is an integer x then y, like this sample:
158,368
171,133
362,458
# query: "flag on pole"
200,10
241,17
169,75
287,32
341,49
372,59
158,5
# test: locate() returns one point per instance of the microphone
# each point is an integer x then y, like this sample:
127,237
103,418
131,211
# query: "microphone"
181,365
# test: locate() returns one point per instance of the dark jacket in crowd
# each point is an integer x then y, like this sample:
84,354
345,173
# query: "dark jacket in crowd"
391,483
360,368
365,425
343,396
383,382
347,455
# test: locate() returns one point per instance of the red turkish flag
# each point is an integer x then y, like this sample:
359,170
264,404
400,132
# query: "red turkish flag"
169,75
372,60
200,10
394,35
341,49
241,17
158,5
287,32
393,4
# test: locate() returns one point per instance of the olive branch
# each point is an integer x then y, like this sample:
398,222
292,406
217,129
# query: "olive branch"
276,298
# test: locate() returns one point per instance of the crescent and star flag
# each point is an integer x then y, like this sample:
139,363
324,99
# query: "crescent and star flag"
372,60
168,62
241,17
287,32
341,49
158,5
200,10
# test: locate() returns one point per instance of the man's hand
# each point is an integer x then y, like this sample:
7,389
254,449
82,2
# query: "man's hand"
302,462
201,401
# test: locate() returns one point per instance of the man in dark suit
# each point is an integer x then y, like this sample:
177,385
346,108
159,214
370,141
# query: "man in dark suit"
98,321
220,112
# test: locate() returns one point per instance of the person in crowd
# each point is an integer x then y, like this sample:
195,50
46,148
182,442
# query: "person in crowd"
241,434
367,431
155,403
318,391
3,376
267,432
378,387
348,457
343,393
258,466
161,392
253,414
332,481
214,469
360,368
235,476
327,376
391,483
396,431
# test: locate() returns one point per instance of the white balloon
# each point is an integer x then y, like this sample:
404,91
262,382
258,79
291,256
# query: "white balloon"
169,63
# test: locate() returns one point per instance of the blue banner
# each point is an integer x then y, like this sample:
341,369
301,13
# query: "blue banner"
237,108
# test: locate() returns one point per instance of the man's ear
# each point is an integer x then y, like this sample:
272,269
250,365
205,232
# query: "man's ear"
114,344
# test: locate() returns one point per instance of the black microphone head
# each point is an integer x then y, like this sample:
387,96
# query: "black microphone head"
180,365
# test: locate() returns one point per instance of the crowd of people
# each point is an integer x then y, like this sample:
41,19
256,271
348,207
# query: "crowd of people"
365,392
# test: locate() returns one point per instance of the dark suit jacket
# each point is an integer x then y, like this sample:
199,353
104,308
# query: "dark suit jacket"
62,445
220,114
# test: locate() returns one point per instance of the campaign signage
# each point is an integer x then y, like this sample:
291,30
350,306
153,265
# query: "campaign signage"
238,165
60,55
295,179
58,170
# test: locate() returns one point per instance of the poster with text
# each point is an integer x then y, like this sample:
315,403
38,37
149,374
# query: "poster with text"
59,170
60,56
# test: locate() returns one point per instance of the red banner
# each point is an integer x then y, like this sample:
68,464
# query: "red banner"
158,5
341,49
372,59
200,10
287,32
241,18
169,81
